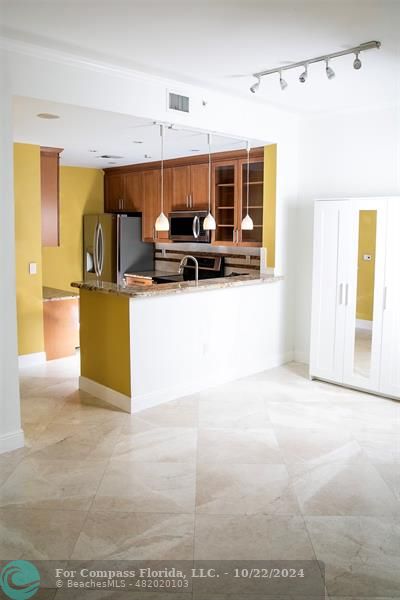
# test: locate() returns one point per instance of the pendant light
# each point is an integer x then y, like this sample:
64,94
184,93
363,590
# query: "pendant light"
247,222
162,223
209,222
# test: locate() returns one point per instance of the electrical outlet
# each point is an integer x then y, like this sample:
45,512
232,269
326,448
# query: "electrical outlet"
367,257
32,268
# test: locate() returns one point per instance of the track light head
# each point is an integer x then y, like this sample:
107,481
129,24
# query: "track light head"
282,82
304,75
255,85
357,64
330,73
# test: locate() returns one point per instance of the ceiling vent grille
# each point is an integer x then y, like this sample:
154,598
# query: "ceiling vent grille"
178,102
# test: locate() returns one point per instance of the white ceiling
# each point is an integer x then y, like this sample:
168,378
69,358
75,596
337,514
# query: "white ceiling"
80,131
219,43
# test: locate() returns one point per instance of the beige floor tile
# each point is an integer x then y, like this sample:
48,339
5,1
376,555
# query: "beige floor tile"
9,462
343,489
61,484
158,445
314,446
244,490
39,534
136,536
252,537
380,447
238,446
147,487
391,474
361,554
177,413
238,411
76,442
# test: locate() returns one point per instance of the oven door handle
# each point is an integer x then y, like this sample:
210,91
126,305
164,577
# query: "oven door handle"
196,227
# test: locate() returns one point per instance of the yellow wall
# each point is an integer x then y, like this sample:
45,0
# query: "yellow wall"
269,202
28,247
366,269
105,340
81,192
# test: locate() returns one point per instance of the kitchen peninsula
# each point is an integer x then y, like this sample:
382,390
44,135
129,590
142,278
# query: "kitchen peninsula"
145,345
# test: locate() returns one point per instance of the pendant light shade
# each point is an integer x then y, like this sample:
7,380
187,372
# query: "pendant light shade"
209,223
247,221
162,223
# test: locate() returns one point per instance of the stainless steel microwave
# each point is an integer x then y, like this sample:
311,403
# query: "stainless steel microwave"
187,226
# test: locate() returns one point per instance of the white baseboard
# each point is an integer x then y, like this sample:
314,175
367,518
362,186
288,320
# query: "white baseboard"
106,394
154,398
12,441
364,324
30,360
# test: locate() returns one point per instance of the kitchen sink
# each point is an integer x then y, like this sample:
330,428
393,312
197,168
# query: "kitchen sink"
168,279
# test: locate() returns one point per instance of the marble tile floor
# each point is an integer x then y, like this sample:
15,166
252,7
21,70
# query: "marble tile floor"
271,467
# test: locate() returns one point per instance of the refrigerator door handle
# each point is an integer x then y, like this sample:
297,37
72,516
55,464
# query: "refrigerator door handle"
101,249
95,257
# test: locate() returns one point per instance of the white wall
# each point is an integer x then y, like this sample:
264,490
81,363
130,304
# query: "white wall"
354,154
11,436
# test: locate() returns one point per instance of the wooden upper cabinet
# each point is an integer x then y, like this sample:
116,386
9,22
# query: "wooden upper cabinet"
199,186
255,188
190,187
180,188
152,203
114,191
133,196
50,189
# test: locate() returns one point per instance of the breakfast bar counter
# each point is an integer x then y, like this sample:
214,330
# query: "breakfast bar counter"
143,345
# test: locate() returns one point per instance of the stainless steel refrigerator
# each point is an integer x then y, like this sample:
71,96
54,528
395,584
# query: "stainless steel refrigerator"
112,246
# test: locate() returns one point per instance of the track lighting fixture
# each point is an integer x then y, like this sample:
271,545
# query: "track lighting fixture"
282,82
304,75
357,62
330,73
255,85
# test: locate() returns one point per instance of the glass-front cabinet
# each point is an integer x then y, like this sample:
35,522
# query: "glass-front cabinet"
233,190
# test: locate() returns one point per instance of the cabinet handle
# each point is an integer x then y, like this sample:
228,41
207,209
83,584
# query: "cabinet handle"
187,201
191,200
233,235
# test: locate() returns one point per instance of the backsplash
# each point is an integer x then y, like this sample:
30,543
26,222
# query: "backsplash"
237,259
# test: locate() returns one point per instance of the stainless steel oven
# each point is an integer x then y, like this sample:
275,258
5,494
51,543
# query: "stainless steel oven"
187,226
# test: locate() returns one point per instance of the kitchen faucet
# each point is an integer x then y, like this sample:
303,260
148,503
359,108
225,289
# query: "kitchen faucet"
196,266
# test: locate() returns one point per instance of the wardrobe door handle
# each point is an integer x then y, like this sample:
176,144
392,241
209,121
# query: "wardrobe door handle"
341,293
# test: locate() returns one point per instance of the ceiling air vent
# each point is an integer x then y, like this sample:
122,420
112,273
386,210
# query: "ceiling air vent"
178,102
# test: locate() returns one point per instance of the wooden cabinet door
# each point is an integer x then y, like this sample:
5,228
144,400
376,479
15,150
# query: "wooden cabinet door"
133,197
199,186
114,193
180,188
49,175
151,203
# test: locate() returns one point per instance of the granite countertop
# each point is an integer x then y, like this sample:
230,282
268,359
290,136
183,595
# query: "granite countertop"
55,294
142,291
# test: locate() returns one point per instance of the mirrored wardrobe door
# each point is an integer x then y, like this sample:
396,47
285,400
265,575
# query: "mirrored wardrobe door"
364,294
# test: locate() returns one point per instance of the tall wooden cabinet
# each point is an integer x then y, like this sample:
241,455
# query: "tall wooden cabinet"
355,330
230,201
50,189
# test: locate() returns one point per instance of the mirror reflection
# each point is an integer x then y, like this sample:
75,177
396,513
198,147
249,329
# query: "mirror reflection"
365,291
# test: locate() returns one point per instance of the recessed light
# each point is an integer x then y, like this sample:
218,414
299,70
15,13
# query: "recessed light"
47,116
91,150
147,156
194,150
112,163
137,141
113,156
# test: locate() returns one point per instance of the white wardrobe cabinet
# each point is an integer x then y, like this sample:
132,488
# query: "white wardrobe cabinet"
355,328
